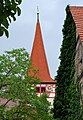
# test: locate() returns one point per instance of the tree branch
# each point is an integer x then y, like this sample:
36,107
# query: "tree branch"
7,102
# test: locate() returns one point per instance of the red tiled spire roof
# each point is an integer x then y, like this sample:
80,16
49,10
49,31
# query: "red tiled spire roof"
38,56
77,13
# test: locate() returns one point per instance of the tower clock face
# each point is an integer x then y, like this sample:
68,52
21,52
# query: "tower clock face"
49,88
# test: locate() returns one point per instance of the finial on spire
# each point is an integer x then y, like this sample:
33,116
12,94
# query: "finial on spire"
37,9
37,13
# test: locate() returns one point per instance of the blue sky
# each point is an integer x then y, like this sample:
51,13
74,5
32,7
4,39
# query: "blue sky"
52,16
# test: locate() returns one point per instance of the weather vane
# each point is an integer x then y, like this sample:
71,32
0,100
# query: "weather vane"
37,9
37,12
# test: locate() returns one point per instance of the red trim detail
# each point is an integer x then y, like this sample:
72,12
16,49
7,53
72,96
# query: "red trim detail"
40,89
46,92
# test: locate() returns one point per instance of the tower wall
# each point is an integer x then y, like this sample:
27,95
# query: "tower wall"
48,89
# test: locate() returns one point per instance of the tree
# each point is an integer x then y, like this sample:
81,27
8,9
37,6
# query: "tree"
8,10
67,100
15,86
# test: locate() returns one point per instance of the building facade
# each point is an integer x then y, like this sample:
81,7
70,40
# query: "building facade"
77,14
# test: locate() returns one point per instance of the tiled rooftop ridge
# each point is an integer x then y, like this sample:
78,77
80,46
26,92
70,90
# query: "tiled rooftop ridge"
77,14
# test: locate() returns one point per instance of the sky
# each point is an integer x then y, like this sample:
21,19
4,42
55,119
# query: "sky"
52,16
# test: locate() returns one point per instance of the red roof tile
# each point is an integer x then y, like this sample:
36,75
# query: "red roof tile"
77,13
39,58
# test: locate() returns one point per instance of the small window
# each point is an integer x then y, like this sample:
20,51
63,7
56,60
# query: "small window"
37,89
81,60
43,89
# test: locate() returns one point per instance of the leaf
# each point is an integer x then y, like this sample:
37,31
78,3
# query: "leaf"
1,31
12,15
5,22
7,2
9,19
18,11
19,1
6,33
13,8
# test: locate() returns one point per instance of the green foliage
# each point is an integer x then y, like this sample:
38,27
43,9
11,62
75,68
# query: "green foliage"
19,88
8,10
67,100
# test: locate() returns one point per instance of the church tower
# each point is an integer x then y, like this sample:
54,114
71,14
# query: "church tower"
39,62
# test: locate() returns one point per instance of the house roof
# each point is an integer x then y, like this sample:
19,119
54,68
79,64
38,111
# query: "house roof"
77,14
38,56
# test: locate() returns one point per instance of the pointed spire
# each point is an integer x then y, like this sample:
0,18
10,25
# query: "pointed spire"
38,55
